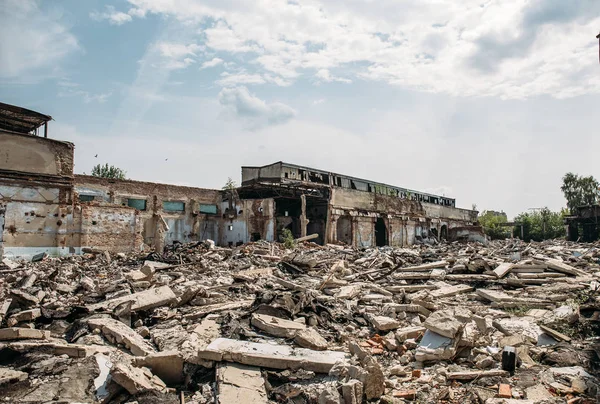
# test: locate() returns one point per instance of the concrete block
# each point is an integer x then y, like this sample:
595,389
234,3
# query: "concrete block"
218,307
10,376
275,326
145,300
119,333
383,323
311,339
135,380
409,333
167,365
448,291
240,384
444,323
271,355
502,269
7,334
25,315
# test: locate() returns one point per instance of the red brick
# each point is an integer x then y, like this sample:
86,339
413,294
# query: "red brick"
416,373
504,391
405,394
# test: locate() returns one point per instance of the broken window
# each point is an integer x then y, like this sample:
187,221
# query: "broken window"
210,209
173,206
86,198
139,204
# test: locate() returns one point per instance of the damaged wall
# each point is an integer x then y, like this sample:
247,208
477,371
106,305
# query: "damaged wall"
32,154
403,221
247,220
35,196
190,214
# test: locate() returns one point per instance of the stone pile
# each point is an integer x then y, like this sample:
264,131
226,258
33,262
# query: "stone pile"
506,322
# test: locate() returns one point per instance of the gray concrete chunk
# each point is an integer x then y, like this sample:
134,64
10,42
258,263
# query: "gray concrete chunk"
271,355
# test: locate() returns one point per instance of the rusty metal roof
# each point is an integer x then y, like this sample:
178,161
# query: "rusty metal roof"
21,120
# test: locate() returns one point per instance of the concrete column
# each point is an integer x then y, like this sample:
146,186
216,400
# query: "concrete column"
303,219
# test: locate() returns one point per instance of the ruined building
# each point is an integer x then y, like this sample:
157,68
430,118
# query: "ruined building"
44,207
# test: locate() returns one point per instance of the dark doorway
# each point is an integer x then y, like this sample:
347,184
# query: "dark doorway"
444,232
344,230
380,233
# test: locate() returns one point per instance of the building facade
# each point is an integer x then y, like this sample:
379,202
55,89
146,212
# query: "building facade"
44,207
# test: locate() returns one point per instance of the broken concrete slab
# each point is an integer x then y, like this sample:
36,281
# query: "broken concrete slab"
13,333
425,267
494,295
444,323
271,355
348,292
10,376
537,393
167,365
215,308
4,308
311,339
383,323
502,269
409,333
238,383
145,300
448,291
135,380
352,392
278,327
25,315
119,333
250,275
560,266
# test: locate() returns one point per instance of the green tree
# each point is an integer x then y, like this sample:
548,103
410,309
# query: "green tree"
492,225
229,185
106,171
541,224
580,191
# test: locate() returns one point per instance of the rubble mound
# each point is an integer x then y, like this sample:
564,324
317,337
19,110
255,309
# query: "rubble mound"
508,322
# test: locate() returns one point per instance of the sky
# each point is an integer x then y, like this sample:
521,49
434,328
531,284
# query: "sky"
490,102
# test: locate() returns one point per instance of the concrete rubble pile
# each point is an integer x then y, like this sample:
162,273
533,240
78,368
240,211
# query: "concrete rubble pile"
506,322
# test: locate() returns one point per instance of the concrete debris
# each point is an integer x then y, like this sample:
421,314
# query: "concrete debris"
135,380
259,323
11,376
271,355
240,384
119,333
277,327
13,333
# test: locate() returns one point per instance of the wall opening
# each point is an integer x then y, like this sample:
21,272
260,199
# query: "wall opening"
316,213
344,230
444,232
380,233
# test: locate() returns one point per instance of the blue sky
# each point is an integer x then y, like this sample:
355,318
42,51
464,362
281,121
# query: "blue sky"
487,101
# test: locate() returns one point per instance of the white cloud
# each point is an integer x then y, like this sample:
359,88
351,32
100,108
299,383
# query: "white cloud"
175,55
113,16
251,110
211,63
33,42
229,79
512,49
325,76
